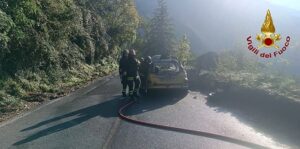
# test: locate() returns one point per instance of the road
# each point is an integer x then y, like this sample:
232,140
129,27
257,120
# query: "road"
88,118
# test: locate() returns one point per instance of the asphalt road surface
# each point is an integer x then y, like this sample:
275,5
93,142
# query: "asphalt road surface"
88,119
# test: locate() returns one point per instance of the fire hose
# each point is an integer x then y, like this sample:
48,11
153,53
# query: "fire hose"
186,131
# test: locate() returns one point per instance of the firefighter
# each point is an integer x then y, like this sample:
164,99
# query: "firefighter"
133,74
146,66
122,71
142,60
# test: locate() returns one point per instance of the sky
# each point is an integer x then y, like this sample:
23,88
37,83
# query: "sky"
292,4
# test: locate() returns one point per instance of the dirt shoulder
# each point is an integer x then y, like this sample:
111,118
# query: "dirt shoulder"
39,99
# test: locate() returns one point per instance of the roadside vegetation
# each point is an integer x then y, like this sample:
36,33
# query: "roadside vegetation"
238,69
157,37
48,47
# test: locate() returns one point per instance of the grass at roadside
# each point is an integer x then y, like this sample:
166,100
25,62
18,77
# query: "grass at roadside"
27,89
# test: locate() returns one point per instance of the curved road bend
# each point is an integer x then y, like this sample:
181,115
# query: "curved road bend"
88,118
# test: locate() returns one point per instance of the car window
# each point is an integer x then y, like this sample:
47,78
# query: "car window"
166,67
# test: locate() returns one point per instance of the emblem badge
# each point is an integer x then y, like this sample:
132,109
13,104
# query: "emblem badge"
267,39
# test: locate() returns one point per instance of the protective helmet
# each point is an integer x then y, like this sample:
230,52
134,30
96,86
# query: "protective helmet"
125,53
132,52
148,59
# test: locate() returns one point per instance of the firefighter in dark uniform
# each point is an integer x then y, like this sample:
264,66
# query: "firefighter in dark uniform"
133,74
146,66
122,71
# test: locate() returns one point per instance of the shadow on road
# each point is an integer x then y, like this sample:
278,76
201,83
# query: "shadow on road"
105,109
275,116
156,100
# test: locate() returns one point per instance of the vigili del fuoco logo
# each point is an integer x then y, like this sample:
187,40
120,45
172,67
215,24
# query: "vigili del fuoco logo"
267,40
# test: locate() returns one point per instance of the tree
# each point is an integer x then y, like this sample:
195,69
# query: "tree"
50,34
121,20
183,52
160,37
6,24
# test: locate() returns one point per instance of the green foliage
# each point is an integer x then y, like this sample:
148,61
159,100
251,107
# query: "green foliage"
6,25
8,103
121,13
183,52
156,37
159,38
51,34
48,45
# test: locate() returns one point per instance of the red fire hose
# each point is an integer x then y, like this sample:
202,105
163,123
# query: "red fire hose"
186,131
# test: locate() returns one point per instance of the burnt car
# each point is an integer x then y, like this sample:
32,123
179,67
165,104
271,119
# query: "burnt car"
167,73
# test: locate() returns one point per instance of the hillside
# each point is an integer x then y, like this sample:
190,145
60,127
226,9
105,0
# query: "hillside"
48,46
234,69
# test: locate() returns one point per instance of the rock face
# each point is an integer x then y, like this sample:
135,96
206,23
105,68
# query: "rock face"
208,61
201,77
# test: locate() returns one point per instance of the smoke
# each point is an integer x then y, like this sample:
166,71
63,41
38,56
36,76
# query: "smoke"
214,25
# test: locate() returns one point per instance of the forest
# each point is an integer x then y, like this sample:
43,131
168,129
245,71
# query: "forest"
51,47
48,46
